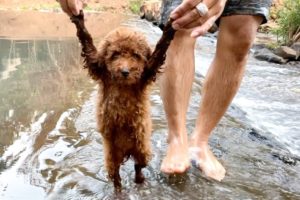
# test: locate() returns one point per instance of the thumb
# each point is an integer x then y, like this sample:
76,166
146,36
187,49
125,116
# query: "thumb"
201,30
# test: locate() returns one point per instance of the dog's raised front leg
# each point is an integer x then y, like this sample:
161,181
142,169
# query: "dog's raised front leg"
158,56
92,61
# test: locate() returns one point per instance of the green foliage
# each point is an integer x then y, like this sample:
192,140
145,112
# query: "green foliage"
135,5
288,20
272,45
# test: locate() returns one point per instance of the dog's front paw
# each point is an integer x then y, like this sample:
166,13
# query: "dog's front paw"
77,19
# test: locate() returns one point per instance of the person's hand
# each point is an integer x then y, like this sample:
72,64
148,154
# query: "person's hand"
72,7
186,16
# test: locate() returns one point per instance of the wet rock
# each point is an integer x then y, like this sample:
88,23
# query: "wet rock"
150,10
285,158
287,53
294,63
255,134
2,166
296,46
280,153
267,55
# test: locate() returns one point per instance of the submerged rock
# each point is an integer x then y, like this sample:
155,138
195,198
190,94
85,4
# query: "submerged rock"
286,158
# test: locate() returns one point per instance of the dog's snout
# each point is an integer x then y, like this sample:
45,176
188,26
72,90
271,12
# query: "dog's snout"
125,72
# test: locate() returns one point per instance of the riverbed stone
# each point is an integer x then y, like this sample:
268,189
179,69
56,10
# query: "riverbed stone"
287,53
267,55
296,46
150,10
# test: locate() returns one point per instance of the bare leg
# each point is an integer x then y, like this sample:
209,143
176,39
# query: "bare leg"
175,87
221,84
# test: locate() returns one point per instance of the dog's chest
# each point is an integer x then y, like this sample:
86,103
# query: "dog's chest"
124,110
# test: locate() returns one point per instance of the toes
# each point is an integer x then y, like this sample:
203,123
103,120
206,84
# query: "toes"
166,169
217,176
217,172
171,168
180,167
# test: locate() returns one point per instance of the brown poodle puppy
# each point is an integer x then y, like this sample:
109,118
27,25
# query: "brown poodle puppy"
119,67
124,108
124,69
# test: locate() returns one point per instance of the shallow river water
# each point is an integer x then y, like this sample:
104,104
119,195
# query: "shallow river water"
49,147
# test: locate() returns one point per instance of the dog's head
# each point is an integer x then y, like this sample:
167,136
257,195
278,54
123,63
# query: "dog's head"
124,53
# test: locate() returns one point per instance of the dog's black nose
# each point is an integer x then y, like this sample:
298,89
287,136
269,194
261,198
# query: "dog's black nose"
125,72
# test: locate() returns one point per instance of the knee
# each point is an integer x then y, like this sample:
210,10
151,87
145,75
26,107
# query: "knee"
241,45
237,35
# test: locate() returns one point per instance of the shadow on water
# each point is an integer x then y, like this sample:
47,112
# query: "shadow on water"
49,147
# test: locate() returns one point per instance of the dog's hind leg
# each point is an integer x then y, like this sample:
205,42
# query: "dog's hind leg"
116,176
141,161
113,170
139,176
113,161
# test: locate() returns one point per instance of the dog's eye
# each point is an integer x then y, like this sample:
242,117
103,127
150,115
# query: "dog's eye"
115,55
136,56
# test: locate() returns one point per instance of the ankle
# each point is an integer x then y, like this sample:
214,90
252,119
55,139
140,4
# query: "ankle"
198,141
177,136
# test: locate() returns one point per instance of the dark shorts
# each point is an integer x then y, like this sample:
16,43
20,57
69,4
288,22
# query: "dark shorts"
233,7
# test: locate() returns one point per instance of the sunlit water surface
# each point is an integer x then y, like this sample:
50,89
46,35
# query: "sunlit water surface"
50,149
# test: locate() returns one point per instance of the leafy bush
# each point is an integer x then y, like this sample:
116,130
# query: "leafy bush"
135,6
289,21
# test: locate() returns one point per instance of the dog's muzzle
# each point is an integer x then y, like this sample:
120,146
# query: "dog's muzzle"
125,72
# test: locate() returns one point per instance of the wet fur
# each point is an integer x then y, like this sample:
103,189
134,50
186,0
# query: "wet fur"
124,108
123,111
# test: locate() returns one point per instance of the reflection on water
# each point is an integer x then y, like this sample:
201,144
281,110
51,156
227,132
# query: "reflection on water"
49,147
40,79
47,78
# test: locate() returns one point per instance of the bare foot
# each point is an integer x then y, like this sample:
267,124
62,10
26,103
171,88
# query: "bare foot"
205,160
177,159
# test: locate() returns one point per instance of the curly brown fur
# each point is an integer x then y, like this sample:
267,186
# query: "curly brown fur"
124,69
124,107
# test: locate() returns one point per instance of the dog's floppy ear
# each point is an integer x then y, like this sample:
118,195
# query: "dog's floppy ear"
148,53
